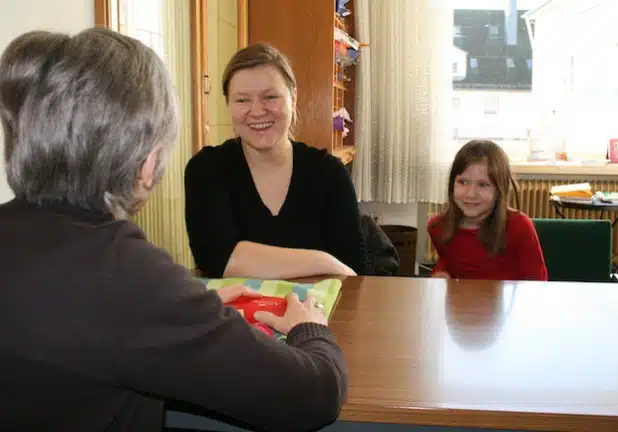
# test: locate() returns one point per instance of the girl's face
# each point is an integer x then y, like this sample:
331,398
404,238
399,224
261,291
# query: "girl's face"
475,194
261,106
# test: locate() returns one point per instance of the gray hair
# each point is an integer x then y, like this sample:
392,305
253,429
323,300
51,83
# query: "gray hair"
81,114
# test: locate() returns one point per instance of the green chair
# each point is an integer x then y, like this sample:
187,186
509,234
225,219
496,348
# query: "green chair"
576,249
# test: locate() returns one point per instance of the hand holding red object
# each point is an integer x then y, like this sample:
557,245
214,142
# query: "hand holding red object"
249,305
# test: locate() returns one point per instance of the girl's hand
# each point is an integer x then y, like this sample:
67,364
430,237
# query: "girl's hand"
442,275
232,292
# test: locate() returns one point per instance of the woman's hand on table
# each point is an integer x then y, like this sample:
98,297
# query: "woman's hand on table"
297,312
442,275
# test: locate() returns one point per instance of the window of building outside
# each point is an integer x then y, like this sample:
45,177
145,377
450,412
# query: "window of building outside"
536,76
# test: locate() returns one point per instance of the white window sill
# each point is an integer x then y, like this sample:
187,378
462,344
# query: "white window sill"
565,168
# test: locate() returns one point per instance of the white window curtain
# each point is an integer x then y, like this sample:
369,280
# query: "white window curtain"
165,26
404,133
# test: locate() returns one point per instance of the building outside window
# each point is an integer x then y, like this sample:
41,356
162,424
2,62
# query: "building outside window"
540,76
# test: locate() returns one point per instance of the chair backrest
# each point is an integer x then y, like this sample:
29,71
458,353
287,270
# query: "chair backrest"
576,249
382,256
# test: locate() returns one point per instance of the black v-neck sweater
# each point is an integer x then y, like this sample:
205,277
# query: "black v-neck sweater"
223,207
98,328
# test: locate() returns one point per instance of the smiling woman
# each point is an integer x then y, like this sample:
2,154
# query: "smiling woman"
263,205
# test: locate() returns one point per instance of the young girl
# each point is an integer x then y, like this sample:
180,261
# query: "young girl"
478,236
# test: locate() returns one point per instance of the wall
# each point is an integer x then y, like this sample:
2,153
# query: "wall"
391,214
17,17
222,40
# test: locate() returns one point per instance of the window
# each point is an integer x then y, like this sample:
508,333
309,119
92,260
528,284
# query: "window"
496,90
484,37
576,86
180,42
491,103
141,19
456,105
557,86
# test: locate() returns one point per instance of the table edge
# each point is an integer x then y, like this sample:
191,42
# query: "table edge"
512,420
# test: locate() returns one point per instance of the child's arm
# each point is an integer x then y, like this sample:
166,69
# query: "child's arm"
531,260
440,270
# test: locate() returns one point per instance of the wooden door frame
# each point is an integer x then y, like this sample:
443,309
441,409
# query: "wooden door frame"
199,72
199,62
243,23
102,16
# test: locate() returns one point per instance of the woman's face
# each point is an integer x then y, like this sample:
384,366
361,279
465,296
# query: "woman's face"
261,106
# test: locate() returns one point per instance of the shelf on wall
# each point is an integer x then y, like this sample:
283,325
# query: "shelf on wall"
343,44
339,23
342,36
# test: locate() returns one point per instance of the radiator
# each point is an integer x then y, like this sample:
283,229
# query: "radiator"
534,200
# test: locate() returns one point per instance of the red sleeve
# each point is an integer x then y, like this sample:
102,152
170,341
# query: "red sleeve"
434,231
528,248
440,267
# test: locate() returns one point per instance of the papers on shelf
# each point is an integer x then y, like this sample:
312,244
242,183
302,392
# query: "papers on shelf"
578,190
342,36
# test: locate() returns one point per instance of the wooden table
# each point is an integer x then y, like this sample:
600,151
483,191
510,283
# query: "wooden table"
519,356
524,356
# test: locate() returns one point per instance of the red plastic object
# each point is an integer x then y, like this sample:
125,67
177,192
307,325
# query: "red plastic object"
250,305
264,328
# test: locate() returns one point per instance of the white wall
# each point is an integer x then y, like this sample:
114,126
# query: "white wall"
20,16
391,214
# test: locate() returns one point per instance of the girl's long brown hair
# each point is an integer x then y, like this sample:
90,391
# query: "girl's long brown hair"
492,232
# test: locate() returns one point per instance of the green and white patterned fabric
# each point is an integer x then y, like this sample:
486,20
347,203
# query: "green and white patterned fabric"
325,291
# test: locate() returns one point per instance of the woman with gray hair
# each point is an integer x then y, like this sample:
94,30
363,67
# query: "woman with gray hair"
97,326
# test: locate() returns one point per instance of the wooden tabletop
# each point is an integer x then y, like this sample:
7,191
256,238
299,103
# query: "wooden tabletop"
525,356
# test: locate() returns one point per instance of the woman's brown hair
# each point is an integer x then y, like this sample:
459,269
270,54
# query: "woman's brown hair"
492,232
261,54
